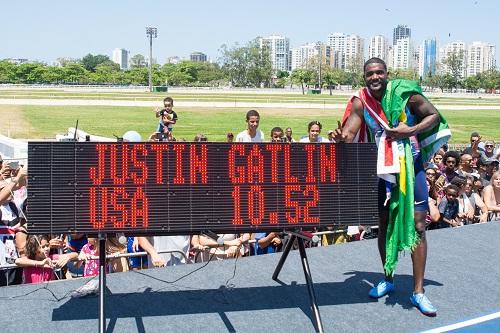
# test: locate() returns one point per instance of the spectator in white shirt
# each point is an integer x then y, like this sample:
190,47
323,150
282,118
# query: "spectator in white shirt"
252,133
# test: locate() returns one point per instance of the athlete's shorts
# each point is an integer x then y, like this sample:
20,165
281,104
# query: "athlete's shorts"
421,193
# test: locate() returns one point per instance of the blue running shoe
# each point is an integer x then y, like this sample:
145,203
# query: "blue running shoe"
423,304
381,289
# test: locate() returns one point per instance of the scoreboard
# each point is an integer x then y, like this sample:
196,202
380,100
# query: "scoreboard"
175,188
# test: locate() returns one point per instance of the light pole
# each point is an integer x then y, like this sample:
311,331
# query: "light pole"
151,33
319,65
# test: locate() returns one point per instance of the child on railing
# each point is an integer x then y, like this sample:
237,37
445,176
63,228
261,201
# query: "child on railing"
88,251
38,265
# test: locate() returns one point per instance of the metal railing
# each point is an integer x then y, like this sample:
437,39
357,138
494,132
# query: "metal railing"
113,256
183,255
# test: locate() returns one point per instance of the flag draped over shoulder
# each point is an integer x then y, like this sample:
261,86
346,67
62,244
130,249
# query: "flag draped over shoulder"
394,102
401,233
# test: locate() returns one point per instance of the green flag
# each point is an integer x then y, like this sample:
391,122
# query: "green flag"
401,233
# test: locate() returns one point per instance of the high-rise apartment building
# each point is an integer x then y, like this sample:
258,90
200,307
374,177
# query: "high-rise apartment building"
457,49
279,48
354,51
427,58
337,41
402,54
327,57
378,47
480,58
390,56
198,57
345,49
303,54
400,32
311,53
120,56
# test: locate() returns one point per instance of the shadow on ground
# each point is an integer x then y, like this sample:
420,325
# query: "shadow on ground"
159,302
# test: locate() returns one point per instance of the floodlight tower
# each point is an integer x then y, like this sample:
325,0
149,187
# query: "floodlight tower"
319,44
151,33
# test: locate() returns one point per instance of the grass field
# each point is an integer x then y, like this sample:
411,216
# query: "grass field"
28,121
44,122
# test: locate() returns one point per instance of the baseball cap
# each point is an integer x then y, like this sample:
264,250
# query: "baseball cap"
491,160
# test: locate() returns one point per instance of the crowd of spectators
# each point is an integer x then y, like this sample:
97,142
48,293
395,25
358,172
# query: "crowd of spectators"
464,188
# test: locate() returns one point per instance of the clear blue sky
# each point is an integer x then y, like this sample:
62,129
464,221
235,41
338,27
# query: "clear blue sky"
45,30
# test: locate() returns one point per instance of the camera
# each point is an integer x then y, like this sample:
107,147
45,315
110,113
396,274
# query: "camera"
14,165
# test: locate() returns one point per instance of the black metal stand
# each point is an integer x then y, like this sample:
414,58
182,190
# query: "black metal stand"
102,283
300,236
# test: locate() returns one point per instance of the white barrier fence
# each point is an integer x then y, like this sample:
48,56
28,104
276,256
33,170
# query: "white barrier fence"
13,149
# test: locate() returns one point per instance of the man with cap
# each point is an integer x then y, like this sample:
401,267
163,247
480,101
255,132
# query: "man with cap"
487,168
491,168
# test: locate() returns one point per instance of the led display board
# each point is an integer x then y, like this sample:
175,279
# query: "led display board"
169,188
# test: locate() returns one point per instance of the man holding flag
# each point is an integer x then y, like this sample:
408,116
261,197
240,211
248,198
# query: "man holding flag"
408,130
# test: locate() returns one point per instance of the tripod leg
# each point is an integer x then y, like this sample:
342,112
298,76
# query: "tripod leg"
288,247
310,287
102,283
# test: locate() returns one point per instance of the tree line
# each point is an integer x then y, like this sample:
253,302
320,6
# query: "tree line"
99,69
247,65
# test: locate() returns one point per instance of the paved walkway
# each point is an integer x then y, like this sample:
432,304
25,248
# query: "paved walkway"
235,104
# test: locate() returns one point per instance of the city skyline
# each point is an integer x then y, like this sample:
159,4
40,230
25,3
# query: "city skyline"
205,27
